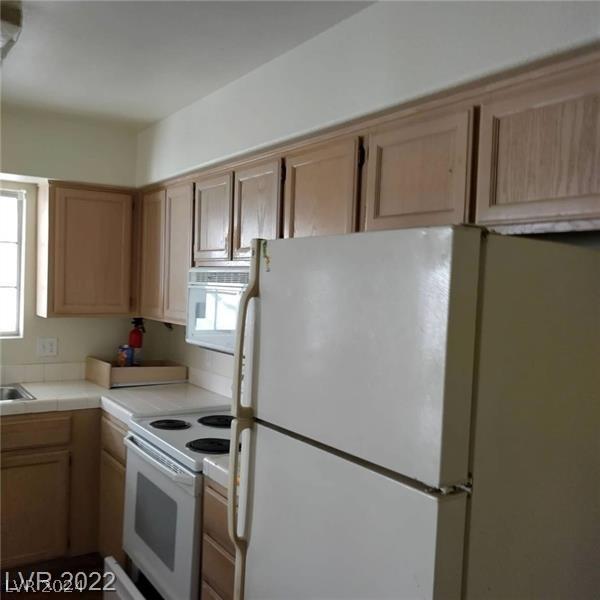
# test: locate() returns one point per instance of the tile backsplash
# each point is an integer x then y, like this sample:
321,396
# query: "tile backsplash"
219,384
68,371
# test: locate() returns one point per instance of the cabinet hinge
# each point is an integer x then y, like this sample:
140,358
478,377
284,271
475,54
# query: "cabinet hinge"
362,156
283,172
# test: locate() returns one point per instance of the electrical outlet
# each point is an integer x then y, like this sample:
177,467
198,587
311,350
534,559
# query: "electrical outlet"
47,346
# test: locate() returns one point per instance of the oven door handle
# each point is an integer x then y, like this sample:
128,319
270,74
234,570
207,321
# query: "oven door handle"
251,291
182,478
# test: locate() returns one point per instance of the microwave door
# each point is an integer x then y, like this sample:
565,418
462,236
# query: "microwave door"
212,317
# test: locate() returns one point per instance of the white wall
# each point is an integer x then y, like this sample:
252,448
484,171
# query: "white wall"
386,54
77,337
57,146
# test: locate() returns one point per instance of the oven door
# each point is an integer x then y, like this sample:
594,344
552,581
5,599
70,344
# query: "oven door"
161,528
212,316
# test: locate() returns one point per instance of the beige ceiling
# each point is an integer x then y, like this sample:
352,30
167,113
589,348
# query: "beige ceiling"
138,61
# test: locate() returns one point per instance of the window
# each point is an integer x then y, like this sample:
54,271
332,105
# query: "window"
11,263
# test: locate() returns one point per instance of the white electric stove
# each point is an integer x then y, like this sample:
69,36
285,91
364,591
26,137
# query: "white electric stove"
163,495
188,438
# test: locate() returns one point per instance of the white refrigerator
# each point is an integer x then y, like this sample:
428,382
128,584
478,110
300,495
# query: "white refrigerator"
418,413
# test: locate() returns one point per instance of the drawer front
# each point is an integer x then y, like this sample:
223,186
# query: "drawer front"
207,593
218,568
35,431
112,436
215,518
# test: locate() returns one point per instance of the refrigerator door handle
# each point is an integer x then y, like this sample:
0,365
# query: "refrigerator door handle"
239,541
251,291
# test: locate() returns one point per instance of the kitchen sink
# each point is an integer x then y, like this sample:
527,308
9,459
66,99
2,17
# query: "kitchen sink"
14,392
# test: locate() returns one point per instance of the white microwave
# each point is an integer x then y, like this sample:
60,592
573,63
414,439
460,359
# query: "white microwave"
214,295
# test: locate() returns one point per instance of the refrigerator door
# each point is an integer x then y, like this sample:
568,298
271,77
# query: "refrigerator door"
320,526
365,343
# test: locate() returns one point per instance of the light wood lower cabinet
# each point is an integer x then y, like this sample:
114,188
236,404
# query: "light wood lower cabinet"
49,492
112,488
418,173
321,190
34,511
207,593
218,554
112,499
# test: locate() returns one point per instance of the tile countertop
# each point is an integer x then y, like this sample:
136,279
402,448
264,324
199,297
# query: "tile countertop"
122,403
217,469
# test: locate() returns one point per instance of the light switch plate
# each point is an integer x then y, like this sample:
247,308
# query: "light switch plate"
47,346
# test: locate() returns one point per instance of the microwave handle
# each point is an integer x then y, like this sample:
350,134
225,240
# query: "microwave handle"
251,291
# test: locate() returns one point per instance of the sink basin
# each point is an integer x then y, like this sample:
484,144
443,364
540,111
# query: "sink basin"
14,392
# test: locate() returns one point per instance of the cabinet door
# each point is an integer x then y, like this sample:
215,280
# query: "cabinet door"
539,152
92,251
218,568
112,501
321,190
257,195
418,173
34,507
152,254
178,250
212,219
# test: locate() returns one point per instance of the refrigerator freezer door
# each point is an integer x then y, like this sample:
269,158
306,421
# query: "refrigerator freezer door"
324,527
365,343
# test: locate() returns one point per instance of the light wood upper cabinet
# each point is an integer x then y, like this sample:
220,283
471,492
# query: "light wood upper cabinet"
152,254
539,152
178,250
84,251
257,196
34,507
417,173
212,218
320,195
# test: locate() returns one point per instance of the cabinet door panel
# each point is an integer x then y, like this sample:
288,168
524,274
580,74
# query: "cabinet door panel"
112,437
256,205
153,243
112,501
321,190
215,518
539,152
212,219
178,250
417,173
218,568
92,256
34,507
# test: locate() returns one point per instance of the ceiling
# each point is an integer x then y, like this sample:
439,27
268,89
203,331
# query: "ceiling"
139,61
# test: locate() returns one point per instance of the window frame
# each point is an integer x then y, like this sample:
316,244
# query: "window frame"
19,195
